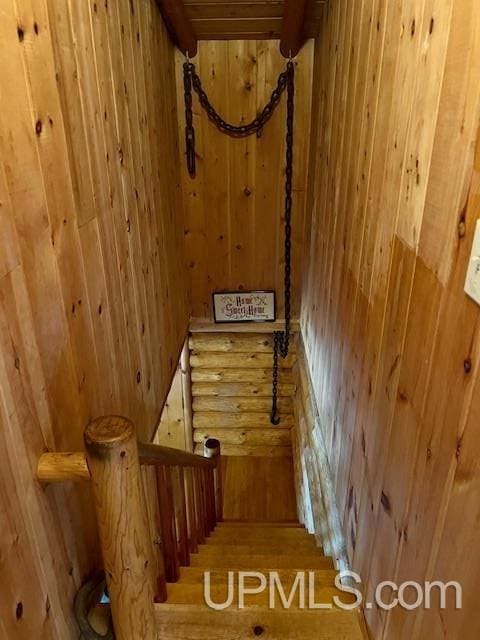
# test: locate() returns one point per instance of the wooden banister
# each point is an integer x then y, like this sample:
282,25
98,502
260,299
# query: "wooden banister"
143,544
72,467
112,456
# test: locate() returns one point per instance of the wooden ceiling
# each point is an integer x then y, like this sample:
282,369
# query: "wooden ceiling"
245,19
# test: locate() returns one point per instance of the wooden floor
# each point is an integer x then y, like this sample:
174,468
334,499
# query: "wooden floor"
259,489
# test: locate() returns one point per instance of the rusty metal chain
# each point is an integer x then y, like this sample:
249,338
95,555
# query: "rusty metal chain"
189,128
286,81
192,80
281,340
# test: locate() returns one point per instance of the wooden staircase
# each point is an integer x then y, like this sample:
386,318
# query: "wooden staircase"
256,547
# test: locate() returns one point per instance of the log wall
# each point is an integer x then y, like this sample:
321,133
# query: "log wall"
391,338
234,207
232,393
92,297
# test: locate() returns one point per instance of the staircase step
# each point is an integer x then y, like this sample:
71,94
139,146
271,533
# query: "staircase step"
257,533
261,547
218,559
195,622
195,594
244,524
195,575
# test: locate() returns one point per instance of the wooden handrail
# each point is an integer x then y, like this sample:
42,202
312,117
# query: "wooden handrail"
72,467
155,455
144,542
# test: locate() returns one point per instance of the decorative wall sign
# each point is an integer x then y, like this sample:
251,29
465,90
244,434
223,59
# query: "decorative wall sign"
244,306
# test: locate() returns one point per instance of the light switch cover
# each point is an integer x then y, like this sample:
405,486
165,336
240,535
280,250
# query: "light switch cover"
472,285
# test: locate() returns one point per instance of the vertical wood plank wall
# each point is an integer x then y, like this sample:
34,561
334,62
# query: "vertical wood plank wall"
93,303
391,338
234,207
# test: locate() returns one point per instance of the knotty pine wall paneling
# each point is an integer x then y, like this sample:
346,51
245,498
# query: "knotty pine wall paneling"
235,205
391,338
93,299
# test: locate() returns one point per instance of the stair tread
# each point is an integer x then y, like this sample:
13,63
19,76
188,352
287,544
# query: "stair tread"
261,548
251,561
259,532
180,593
239,524
194,575
196,622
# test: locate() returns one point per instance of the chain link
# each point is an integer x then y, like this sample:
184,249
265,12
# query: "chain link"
286,81
281,340
189,128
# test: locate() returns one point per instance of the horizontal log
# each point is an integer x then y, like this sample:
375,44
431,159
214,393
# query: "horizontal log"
258,451
234,389
237,405
207,326
238,360
63,467
239,375
271,436
209,419
72,467
233,343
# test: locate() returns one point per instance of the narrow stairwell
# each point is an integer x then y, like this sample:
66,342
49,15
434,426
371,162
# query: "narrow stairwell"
284,548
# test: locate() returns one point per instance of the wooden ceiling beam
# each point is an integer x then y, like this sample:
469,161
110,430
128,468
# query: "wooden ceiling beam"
179,26
293,27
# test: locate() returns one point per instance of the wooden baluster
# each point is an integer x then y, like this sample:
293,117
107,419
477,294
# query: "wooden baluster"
199,512
112,456
155,530
205,503
167,517
212,450
191,513
178,478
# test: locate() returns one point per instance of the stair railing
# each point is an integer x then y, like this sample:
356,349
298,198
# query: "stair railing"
154,506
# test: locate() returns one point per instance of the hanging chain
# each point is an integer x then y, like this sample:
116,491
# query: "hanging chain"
286,81
189,128
281,339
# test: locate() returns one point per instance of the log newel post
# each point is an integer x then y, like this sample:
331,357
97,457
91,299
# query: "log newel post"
212,449
112,457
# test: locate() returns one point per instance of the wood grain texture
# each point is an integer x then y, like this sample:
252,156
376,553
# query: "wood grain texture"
251,487
234,207
92,297
239,20
391,338
117,486
237,412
